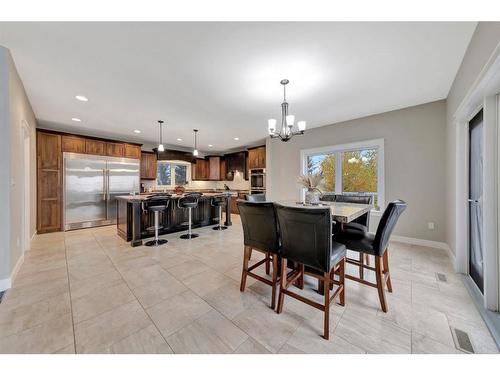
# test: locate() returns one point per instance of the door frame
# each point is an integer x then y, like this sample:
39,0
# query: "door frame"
482,95
26,190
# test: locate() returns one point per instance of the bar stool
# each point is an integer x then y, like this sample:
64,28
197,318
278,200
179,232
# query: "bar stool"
219,202
189,201
156,204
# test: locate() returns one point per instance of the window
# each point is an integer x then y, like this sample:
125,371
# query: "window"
172,173
351,168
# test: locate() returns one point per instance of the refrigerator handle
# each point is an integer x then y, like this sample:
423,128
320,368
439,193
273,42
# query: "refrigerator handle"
107,185
104,184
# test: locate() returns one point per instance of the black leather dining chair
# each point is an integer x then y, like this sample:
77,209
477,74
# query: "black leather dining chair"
376,245
256,197
306,240
357,227
260,232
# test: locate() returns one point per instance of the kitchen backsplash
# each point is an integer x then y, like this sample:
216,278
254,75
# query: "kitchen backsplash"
239,183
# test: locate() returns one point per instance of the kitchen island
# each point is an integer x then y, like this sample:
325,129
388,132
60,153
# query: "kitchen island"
133,220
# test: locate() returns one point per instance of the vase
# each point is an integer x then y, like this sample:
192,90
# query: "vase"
312,196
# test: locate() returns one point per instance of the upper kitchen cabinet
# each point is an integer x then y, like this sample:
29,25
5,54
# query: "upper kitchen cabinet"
200,170
115,149
214,168
236,161
148,166
132,151
49,192
72,143
257,157
95,147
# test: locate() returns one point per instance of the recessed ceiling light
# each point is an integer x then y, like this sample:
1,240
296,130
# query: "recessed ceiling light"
137,131
236,139
210,145
179,139
76,119
82,98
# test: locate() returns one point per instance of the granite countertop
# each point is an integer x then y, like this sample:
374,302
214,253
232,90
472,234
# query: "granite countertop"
142,197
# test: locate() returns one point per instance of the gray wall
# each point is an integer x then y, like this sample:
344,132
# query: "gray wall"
15,108
414,162
484,41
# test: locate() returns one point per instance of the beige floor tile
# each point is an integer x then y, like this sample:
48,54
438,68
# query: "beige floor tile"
145,341
177,311
27,316
48,337
80,288
100,301
187,269
288,349
70,349
36,277
156,291
30,294
210,334
137,277
421,344
78,273
250,346
373,334
99,333
268,328
207,281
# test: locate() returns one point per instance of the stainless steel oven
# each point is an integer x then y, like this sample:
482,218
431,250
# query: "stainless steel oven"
258,179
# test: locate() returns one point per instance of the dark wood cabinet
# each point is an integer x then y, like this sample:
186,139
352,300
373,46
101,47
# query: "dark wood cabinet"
257,157
200,170
70,143
115,149
132,151
236,161
214,168
95,147
49,165
148,166
222,169
234,206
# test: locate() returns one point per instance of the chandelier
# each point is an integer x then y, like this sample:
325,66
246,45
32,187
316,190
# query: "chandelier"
286,132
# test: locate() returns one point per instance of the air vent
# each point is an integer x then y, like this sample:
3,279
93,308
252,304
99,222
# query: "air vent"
441,277
462,340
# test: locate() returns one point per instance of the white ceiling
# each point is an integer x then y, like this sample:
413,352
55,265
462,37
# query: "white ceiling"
223,78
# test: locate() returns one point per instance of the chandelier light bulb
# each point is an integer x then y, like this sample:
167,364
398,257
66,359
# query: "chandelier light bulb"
271,123
195,152
290,119
301,125
161,148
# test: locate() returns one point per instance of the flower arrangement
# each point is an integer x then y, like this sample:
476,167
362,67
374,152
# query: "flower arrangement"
311,181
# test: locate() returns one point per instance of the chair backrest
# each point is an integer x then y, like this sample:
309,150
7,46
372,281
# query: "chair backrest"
255,197
162,200
306,235
260,228
357,198
218,200
387,224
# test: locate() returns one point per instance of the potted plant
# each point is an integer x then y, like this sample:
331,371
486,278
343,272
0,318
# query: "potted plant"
312,182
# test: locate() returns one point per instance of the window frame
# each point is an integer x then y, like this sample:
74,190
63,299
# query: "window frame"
377,144
172,163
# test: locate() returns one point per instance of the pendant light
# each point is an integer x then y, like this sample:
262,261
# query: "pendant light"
160,146
195,151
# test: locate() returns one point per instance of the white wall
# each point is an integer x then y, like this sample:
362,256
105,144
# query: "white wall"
15,108
484,41
414,151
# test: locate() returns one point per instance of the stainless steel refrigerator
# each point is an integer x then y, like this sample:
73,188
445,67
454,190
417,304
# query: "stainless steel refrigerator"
91,184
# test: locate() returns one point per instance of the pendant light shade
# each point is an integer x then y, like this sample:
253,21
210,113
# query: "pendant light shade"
160,145
195,151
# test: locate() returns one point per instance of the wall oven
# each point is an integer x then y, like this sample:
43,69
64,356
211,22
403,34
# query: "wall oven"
258,179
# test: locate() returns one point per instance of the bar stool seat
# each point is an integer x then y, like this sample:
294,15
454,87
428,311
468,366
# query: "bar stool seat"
156,205
189,201
219,202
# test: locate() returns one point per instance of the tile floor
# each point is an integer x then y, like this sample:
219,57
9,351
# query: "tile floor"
88,291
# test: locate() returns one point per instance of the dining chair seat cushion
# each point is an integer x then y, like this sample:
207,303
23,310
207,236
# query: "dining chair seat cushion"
352,229
339,251
361,243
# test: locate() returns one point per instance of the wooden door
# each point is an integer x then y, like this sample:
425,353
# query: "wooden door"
95,147
49,190
214,168
132,151
115,149
71,143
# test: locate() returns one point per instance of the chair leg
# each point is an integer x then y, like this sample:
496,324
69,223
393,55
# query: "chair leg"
275,279
361,269
268,264
283,280
380,283
250,255
245,268
300,283
386,270
342,281
326,288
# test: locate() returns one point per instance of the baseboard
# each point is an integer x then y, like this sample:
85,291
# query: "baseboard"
7,283
427,243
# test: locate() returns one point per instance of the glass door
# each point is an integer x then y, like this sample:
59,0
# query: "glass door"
476,269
